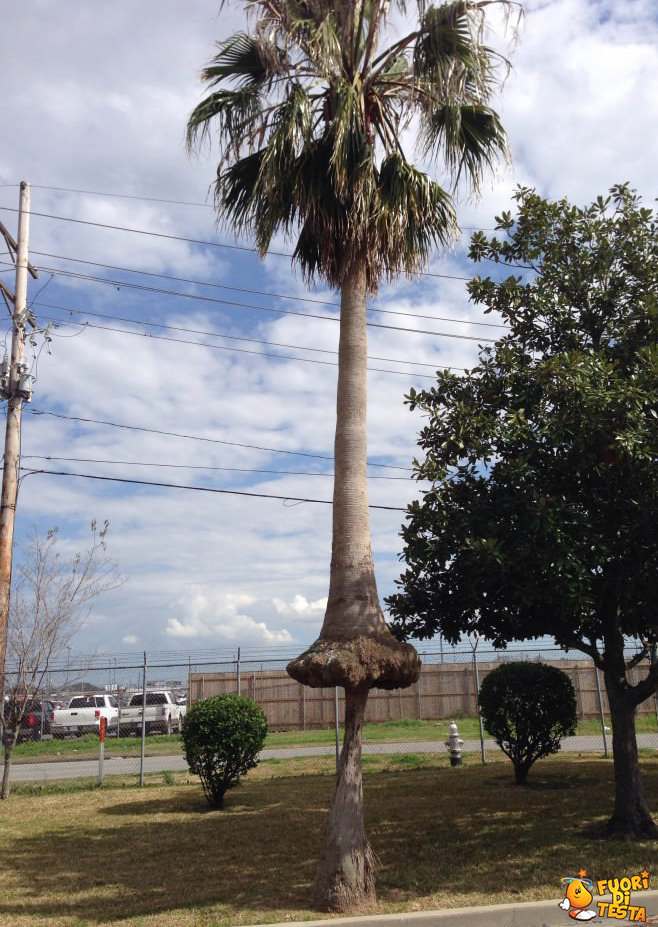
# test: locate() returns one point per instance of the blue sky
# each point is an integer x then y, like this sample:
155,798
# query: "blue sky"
95,100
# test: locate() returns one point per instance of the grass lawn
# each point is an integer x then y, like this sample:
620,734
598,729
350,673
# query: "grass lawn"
155,857
384,732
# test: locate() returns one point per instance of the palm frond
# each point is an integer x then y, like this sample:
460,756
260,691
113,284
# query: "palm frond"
310,119
469,137
290,132
247,204
248,64
414,215
445,38
244,59
347,130
230,112
450,50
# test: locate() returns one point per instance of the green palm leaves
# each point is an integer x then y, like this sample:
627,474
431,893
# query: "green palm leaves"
312,116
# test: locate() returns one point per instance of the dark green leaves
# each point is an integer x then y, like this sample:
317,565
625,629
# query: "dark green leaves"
527,708
542,517
222,737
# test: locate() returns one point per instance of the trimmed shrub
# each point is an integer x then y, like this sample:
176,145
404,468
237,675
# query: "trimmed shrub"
527,708
222,737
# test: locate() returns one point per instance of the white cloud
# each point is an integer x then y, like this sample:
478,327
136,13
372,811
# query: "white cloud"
208,568
218,616
301,607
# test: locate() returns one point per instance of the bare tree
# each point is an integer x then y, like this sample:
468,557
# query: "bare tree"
51,599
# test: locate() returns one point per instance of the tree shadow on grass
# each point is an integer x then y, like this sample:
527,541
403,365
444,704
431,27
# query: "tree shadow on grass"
475,830
148,856
442,834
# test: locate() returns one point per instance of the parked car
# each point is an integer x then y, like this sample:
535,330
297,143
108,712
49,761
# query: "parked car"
162,714
181,701
83,716
34,717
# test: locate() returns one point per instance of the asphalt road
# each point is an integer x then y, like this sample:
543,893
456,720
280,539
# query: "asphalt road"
119,765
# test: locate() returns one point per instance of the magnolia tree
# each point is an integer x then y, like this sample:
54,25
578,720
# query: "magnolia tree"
541,518
50,600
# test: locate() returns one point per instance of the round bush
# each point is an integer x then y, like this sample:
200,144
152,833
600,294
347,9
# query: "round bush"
222,737
527,708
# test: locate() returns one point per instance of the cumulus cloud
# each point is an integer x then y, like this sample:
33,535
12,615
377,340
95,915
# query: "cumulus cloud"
219,617
301,607
170,404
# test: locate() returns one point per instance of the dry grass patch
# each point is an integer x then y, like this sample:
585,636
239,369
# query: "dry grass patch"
445,837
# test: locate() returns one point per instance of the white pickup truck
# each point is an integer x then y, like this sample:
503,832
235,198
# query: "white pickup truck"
83,716
162,713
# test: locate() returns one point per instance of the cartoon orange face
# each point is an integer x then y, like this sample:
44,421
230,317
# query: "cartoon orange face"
578,894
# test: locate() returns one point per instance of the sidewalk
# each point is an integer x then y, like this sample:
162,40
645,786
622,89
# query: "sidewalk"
529,914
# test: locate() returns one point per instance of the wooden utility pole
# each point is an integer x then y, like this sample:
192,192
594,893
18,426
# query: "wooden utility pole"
16,385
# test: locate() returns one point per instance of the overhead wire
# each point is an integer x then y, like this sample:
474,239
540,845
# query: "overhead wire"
187,240
140,463
249,306
174,434
204,467
223,347
196,331
154,199
208,489
242,289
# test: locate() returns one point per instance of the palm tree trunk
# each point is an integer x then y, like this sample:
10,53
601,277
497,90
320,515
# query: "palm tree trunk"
353,607
355,648
346,876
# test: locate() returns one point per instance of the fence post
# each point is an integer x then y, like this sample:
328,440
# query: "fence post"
337,727
302,707
143,744
476,676
654,659
601,712
238,670
102,726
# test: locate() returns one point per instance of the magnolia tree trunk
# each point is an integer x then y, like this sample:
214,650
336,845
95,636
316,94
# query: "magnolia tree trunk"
631,819
355,649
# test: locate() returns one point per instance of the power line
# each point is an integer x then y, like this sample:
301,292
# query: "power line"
173,434
196,331
249,306
192,241
122,196
222,347
242,289
140,463
154,199
226,492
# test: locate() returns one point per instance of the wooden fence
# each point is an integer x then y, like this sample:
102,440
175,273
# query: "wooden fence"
444,690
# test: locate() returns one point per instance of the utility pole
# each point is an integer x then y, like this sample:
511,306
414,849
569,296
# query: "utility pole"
15,386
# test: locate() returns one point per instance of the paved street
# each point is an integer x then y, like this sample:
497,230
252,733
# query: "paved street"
117,765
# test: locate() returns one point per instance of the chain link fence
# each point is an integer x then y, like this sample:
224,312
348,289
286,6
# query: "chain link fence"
143,697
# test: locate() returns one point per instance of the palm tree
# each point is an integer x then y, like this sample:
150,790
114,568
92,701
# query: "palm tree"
311,113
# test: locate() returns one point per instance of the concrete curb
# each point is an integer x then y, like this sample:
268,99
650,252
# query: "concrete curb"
528,914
